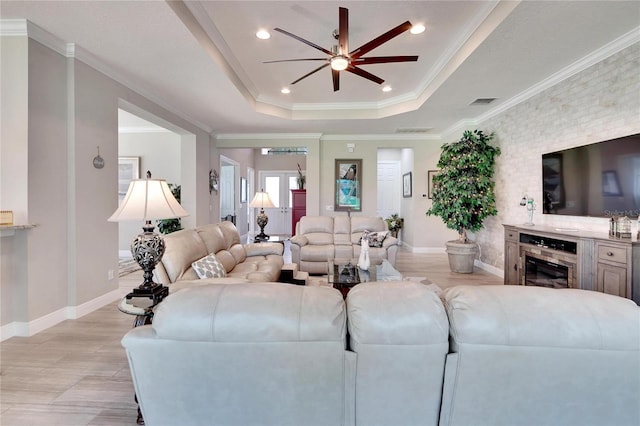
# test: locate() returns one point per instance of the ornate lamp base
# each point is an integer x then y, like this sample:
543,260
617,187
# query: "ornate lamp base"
147,249
262,219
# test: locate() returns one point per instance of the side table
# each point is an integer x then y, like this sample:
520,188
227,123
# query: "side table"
143,316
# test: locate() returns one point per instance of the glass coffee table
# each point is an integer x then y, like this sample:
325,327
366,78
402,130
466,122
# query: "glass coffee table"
345,273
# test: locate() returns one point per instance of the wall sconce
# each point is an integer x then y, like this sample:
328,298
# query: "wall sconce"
213,181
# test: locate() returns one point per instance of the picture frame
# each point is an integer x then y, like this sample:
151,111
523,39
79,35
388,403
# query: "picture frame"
128,170
243,190
430,175
348,185
406,185
611,184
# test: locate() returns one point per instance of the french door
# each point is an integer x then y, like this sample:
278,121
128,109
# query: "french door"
279,185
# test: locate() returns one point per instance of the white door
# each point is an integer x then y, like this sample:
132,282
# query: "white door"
279,185
389,189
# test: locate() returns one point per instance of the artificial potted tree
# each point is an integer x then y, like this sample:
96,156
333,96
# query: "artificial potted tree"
463,193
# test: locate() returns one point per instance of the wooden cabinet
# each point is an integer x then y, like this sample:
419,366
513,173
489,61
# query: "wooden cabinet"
595,262
613,271
511,256
298,207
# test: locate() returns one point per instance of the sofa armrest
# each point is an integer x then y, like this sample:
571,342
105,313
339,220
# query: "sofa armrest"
299,240
264,249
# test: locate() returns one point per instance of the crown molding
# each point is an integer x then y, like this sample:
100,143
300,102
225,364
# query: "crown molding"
383,137
580,65
599,55
23,27
268,136
149,129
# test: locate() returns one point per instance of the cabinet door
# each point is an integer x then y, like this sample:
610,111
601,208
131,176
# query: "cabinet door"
612,280
511,260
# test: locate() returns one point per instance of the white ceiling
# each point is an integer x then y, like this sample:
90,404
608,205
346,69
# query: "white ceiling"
201,59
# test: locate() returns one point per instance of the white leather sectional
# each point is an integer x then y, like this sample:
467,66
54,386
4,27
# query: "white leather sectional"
280,354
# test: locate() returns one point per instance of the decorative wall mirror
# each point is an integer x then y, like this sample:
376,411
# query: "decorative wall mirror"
213,181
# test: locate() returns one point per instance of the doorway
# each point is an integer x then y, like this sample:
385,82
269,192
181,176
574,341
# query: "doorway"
389,189
278,184
228,189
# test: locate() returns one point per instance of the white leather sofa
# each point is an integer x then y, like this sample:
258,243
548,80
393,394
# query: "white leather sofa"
523,355
275,354
253,262
320,238
245,354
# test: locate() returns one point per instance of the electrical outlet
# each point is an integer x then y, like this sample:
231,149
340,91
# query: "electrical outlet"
329,208
111,274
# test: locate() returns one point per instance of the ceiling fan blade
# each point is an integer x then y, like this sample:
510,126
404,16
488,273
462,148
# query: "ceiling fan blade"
383,60
365,74
367,47
295,60
336,80
307,42
343,30
312,72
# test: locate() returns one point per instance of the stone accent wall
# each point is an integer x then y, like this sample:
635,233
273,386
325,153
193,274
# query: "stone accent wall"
599,103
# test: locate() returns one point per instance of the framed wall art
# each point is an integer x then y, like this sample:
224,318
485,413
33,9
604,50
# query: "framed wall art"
431,174
348,185
128,170
406,185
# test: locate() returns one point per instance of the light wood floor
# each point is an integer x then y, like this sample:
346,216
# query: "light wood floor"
76,373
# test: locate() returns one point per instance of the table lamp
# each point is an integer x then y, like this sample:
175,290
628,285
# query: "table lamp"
262,200
148,199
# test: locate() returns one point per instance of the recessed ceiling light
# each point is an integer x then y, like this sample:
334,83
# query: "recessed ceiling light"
387,89
263,35
417,29
285,90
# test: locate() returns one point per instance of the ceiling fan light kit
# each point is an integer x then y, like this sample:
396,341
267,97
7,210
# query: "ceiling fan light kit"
339,58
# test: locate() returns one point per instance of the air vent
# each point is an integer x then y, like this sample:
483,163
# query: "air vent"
482,101
414,130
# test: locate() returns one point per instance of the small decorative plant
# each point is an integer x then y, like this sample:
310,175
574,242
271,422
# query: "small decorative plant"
167,226
395,223
301,178
463,191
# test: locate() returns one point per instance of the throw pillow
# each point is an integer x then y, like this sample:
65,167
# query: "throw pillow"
209,267
375,239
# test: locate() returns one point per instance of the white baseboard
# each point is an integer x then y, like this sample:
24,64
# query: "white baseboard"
28,329
489,268
428,250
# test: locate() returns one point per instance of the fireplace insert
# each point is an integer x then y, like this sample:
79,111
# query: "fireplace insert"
545,273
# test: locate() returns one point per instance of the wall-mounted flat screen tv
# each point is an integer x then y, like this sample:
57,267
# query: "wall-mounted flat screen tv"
600,179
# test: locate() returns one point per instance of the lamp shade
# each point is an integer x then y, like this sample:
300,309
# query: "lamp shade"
262,200
148,199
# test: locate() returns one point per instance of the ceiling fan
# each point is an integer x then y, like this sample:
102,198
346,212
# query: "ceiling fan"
341,59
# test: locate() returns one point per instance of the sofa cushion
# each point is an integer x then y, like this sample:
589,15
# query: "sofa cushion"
230,232
209,267
213,238
226,258
257,312
182,248
316,224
